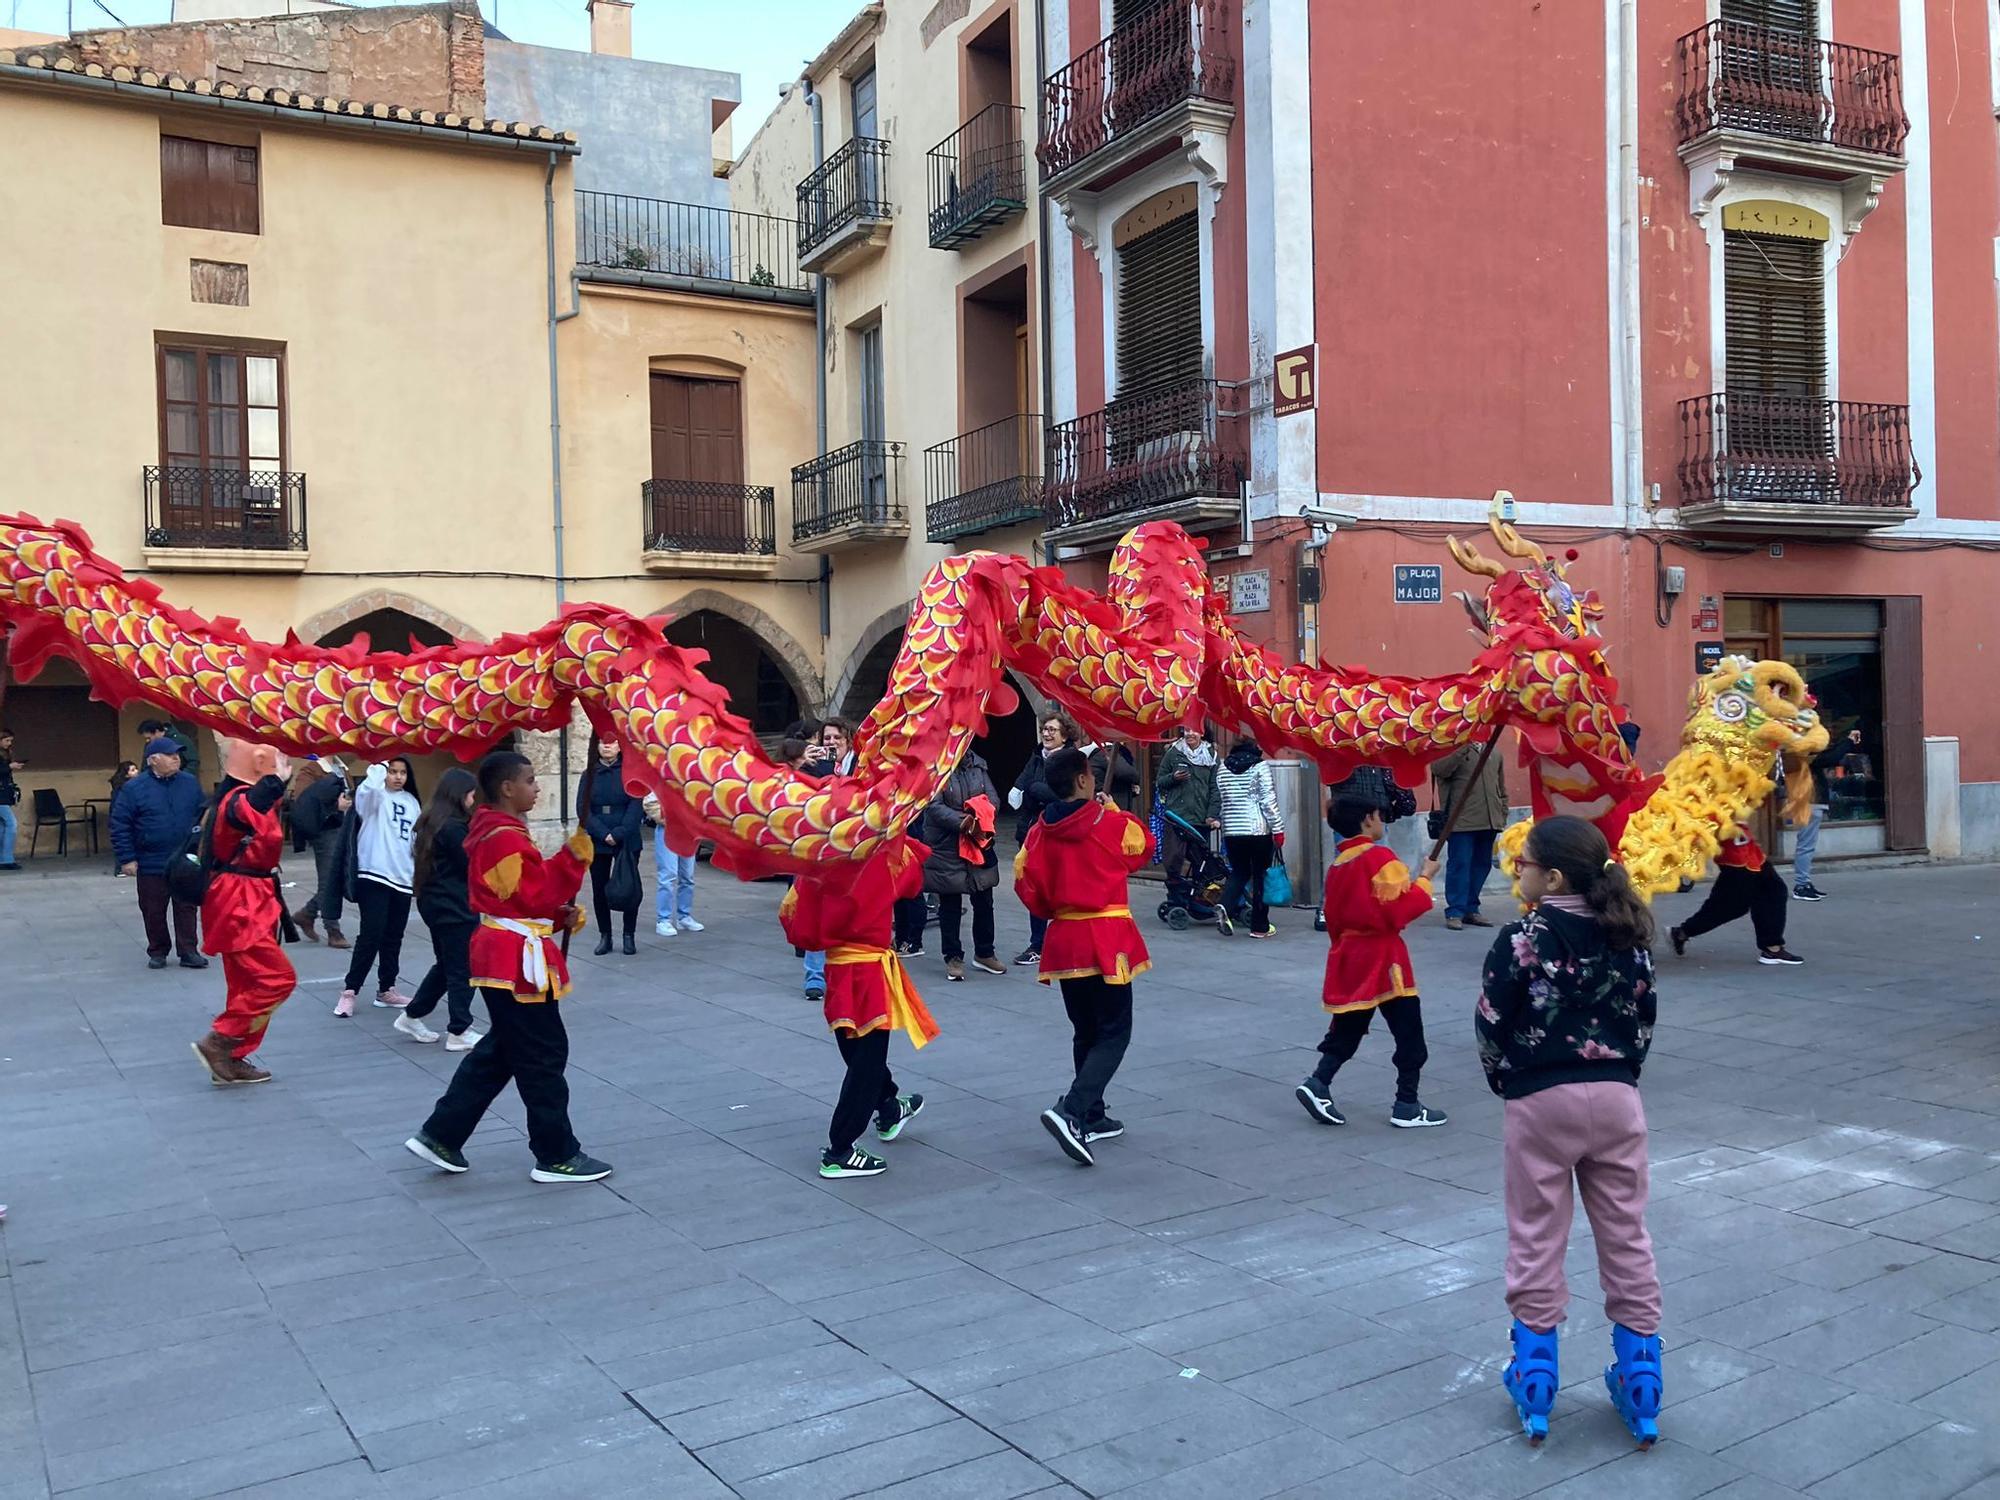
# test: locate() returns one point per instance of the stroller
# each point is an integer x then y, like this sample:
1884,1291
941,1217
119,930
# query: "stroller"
1193,898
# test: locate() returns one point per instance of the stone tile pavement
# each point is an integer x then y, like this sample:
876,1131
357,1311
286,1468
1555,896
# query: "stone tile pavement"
259,1293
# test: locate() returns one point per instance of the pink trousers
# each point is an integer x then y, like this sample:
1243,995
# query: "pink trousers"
1588,1137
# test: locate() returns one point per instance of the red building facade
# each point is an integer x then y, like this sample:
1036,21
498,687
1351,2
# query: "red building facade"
1709,287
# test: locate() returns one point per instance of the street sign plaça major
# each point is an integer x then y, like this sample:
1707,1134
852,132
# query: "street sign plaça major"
1419,583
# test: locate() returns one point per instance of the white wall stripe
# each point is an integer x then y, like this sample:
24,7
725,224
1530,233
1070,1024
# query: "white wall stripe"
1922,302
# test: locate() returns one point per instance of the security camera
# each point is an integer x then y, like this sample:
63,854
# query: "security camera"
1321,515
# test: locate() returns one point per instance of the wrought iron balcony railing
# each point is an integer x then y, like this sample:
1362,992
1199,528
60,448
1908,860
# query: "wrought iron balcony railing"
244,510
691,515
849,186
983,479
853,486
1791,87
1179,441
1177,51
1792,450
978,176
621,233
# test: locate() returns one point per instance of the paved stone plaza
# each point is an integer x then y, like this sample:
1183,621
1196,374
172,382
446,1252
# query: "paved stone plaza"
259,1292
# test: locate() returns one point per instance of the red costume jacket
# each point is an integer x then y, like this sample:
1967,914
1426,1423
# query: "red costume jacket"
240,911
848,913
515,893
1074,872
1370,899
1741,852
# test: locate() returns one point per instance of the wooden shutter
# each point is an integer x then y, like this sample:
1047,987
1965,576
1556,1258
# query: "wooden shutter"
1774,298
673,427
208,185
1903,722
697,429
1159,307
1800,17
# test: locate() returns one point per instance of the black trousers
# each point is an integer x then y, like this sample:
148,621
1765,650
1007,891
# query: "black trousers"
951,923
1761,893
450,973
600,877
1100,1018
385,912
527,1046
910,916
868,1089
154,900
1405,1019
329,857
1249,857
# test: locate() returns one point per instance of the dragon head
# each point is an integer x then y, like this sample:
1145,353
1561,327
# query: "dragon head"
1542,630
1759,712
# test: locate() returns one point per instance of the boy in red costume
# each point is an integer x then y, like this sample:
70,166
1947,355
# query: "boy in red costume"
848,914
1073,872
523,902
243,917
1370,899
1744,882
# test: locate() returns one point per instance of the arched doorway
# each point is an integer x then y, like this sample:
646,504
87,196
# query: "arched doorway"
870,680
759,687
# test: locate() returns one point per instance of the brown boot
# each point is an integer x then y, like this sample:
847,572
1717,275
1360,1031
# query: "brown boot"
335,938
217,1054
249,1072
305,925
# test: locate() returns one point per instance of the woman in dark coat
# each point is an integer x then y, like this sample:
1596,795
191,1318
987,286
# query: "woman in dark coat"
615,821
951,829
1030,797
1116,773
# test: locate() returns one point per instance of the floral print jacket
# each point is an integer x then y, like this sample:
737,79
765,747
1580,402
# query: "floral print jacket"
1557,1006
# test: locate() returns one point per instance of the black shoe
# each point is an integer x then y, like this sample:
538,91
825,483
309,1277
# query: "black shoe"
1222,923
603,945
13,869
1319,921
1028,958
1808,892
1317,1097
579,1168
194,961
1070,1134
1779,955
155,963
1680,941
436,1153
908,1107
815,995
631,945
1103,1128
1416,1117
857,1163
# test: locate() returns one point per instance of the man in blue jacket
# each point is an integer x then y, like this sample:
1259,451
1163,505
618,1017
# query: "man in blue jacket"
148,821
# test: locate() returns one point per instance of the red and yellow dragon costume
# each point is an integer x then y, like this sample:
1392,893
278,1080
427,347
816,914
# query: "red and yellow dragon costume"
1155,650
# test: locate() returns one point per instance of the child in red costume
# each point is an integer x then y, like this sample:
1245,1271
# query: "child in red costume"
1072,872
243,917
847,913
1744,882
523,901
1370,899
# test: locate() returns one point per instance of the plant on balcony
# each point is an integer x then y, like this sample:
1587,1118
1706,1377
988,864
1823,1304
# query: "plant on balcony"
762,277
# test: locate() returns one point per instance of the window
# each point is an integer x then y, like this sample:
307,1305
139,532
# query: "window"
208,185
1159,304
1774,301
222,434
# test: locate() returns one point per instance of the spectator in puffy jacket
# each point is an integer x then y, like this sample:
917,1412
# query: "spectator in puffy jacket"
319,816
951,828
1187,790
1252,831
149,821
616,823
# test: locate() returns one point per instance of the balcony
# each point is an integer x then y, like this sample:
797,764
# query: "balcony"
850,498
1790,464
1176,452
984,479
1139,93
844,209
696,529
1780,101
225,520
978,177
688,247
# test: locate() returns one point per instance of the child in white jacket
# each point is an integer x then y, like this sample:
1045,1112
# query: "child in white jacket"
1253,833
386,809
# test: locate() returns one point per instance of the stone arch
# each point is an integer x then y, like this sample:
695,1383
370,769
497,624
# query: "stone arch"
799,672
373,601
840,697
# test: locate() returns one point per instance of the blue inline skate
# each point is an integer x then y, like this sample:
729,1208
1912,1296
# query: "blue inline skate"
1531,1379
1633,1378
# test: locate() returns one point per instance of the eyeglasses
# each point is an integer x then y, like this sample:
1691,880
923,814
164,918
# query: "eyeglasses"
1524,863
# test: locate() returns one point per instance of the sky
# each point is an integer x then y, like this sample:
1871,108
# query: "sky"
766,41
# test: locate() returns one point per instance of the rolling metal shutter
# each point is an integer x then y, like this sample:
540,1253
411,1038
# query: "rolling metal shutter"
1775,305
1799,17
1159,307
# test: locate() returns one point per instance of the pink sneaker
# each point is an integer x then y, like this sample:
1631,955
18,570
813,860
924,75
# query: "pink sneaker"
344,1006
392,999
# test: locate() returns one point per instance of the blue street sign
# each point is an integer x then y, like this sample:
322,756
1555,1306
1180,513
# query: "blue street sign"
1419,583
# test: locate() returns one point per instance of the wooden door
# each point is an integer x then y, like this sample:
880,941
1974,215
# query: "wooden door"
1903,722
698,458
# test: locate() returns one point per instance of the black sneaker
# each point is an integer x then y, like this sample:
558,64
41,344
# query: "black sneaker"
815,995
438,1155
1680,941
1222,923
579,1168
1779,956
1070,1134
908,1107
156,963
909,950
1808,892
1028,958
1318,1100
857,1163
1319,921
1103,1128
193,961
1416,1117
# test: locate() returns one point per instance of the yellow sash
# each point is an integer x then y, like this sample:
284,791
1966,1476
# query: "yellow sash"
907,1012
1092,916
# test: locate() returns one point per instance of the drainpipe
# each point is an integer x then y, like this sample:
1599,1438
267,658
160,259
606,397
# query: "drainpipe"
819,371
1033,122
555,438
1632,457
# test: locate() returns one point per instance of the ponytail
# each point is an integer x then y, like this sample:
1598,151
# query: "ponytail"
1580,852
